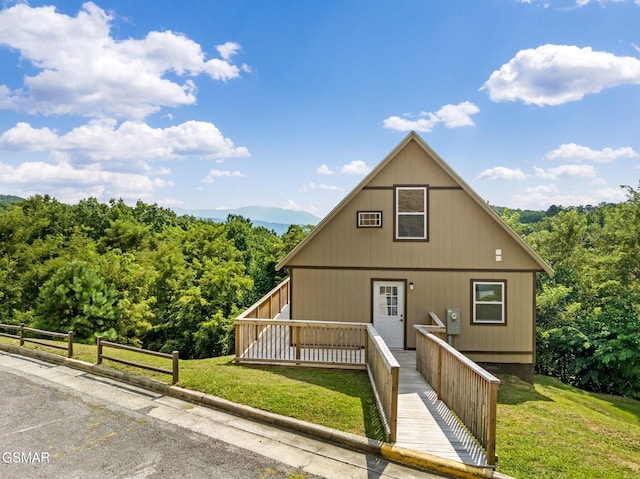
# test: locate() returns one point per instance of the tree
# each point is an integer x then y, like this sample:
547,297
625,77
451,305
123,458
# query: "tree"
76,298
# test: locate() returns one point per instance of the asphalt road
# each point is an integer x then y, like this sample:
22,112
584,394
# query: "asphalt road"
57,422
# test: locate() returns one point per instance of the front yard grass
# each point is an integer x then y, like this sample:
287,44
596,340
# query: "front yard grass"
551,430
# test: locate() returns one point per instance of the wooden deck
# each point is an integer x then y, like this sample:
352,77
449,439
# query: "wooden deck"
425,424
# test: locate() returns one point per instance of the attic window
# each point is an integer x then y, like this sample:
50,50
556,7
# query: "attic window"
369,219
411,213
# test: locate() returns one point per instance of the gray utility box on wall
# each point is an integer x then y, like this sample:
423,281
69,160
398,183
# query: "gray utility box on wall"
453,321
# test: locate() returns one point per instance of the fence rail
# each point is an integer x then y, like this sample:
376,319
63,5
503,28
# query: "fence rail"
310,343
384,374
21,336
271,304
173,356
436,326
467,389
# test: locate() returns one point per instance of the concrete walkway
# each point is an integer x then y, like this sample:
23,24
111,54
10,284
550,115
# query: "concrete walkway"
425,423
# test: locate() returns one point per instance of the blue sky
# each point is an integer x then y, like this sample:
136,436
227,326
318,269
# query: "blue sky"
223,104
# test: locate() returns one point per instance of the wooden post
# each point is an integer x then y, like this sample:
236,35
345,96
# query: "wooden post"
298,328
21,334
175,356
393,419
237,340
491,423
99,348
70,345
439,373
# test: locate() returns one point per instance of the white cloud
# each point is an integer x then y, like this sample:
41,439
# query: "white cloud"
556,74
542,196
83,70
566,171
322,186
573,152
126,145
453,116
502,173
309,208
69,184
611,195
324,170
583,3
213,174
228,49
356,167
423,125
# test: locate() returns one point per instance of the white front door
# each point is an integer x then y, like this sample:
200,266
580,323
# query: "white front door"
388,312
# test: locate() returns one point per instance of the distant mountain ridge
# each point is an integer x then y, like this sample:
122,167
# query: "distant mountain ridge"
10,199
278,219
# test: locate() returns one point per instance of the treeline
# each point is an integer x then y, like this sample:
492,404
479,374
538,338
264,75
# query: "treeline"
138,275
588,329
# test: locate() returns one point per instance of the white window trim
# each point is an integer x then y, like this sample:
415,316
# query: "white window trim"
378,217
501,303
420,213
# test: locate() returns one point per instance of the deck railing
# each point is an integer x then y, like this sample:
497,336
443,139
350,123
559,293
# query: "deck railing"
384,373
467,389
271,304
436,326
309,343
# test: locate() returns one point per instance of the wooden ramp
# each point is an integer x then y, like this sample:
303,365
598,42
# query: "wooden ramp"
425,424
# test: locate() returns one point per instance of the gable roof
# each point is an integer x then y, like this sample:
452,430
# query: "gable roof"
413,136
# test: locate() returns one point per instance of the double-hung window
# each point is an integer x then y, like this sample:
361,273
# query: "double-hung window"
489,301
411,213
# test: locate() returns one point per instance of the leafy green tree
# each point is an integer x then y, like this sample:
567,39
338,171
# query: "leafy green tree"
76,298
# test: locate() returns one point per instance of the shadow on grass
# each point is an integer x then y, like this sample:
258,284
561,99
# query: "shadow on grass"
350,383
514,391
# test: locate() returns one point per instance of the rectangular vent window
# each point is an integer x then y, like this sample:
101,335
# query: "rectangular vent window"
369,219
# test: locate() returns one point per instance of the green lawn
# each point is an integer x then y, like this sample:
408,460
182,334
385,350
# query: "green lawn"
551,430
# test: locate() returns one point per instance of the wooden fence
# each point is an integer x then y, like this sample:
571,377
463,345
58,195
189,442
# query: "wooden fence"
384,372
174,358
22,337
271,304
467,389
436,326
308,343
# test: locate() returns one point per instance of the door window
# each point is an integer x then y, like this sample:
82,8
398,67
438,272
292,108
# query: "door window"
388,301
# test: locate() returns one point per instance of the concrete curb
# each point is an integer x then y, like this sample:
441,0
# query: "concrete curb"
393,453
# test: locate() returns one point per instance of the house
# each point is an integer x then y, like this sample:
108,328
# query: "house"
412,239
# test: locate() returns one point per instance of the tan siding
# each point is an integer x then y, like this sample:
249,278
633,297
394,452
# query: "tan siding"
335,266
461,233
333,295
412,162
